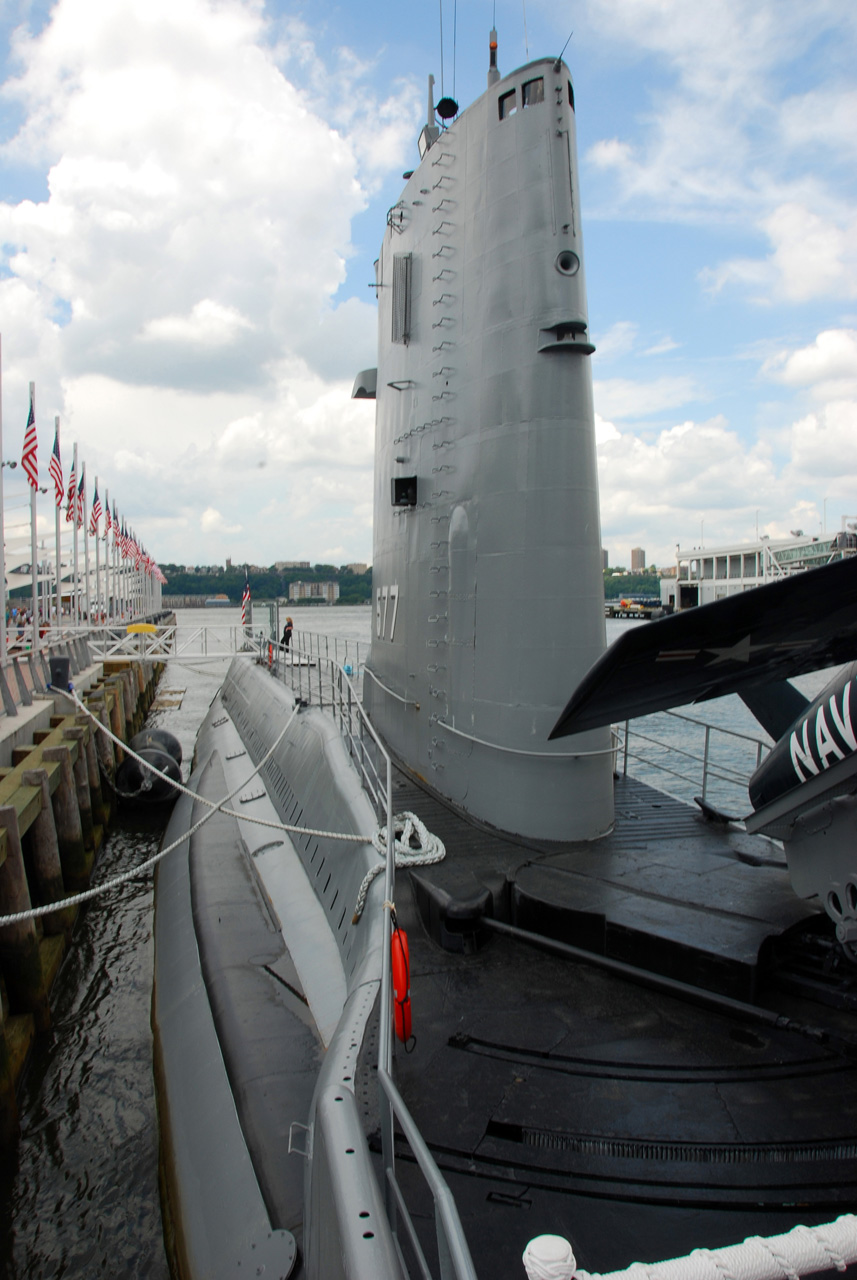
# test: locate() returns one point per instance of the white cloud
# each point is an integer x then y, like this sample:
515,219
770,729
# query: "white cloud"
821,448
619,340
177,284
811,257
211,521
722,137
828,366
208,324
697,476
661,348
624,398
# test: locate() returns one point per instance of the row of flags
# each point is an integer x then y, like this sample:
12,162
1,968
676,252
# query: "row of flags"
75,498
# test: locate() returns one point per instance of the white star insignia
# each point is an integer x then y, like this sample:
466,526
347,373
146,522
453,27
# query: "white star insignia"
740,652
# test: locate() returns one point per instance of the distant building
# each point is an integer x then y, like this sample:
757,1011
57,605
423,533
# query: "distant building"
357,568
280,565
328,592
605,564
228,563
713,573
638,559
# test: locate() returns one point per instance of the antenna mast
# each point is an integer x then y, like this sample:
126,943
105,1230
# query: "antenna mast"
493,72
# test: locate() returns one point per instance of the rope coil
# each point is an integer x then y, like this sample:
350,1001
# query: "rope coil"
413,846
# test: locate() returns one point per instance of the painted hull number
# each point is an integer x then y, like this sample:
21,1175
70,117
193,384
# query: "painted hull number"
386,609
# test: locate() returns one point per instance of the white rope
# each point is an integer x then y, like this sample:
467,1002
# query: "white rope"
413,845
429,842
799,1252
179,786
87,894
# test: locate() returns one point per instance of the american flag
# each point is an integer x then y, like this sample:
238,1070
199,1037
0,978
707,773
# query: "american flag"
108,523
115,526
81,496
29,460
96,512
245,601
71,496
55,468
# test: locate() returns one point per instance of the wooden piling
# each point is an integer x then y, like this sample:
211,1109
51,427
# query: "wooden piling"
20,954
53,808
46,856
104,748
76,863
129,701
81,783
8,1103
99,814
117,713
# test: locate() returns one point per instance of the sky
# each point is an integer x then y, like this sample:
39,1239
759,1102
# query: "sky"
193,194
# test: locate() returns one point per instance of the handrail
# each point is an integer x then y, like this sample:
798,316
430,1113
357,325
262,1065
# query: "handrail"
342,700
727,773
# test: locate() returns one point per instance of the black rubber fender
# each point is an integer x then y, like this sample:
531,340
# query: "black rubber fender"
152,786
159,740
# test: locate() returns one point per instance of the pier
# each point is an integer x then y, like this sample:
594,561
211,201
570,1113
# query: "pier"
56,801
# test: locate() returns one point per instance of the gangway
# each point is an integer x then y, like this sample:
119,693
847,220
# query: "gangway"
161,643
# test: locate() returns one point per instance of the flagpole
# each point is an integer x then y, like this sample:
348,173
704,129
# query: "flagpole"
113,561
3,649
97,557
33,549
106,557
85,527
75,572
58,542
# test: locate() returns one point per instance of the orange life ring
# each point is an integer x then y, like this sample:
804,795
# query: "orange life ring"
270,655
401,984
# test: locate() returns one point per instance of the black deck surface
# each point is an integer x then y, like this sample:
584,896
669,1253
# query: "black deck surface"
557,1097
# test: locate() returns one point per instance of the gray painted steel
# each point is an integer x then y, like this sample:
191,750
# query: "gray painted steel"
487,561
211,1145
221,1220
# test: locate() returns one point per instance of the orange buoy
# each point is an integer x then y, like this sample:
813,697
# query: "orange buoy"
270,655
401,984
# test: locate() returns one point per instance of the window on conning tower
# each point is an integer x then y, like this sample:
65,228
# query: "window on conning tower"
570,95
508,104
533,92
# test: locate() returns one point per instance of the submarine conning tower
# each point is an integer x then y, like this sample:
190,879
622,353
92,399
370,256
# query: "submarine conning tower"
487,577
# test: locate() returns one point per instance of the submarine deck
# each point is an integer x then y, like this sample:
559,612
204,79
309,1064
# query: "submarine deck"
558,1097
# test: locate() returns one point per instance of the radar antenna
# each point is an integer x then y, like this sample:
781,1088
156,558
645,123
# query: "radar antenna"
556,65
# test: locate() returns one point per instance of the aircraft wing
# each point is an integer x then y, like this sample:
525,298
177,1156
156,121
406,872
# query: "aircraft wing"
802,623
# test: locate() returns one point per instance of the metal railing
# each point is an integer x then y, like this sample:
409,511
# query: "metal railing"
172,641
687,757
320,681
345,653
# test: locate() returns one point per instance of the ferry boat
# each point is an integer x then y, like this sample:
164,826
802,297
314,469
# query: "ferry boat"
620,1024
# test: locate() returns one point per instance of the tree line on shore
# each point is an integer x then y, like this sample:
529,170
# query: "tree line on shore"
265,584
354,588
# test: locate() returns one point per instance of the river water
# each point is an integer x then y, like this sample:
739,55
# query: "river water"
81,1199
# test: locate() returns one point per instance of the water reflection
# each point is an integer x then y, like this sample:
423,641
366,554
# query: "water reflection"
82,1198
